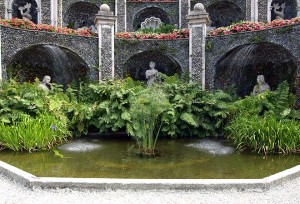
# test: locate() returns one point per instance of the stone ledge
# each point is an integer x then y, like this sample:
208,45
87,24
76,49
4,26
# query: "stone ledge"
32,181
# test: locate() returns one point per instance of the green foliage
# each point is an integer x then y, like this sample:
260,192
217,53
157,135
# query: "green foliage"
145,110
271,101
194,112
108,103
266,123
265,134
18,99
31,134
164,28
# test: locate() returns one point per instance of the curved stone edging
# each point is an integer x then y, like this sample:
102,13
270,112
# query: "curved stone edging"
32,181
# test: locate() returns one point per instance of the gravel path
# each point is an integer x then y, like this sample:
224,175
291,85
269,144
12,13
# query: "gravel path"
11,192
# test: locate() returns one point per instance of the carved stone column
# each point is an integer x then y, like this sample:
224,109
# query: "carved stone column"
105,21
197,19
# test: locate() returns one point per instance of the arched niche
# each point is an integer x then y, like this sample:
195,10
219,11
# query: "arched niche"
288,11
149,12
224,13
138,64
80,14
240,66
62,64
13,9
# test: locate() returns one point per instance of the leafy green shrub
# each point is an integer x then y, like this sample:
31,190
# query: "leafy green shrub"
30,134
194,112
18,99
109,103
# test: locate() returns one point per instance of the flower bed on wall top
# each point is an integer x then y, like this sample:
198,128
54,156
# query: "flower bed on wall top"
176,34
251,26
26,24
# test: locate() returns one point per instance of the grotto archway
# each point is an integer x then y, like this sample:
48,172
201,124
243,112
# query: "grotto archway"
149,12
224,13
290,10
138,64
33,11
80,14
240,66
63,65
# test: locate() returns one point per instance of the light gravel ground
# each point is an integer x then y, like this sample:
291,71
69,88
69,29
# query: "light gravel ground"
11,192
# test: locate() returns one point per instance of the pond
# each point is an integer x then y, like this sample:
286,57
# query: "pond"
178,159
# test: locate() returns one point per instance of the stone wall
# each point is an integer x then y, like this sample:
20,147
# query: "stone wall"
171,8
14,40
216,47
176,50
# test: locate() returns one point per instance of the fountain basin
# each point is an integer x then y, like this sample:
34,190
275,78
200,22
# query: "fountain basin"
178,159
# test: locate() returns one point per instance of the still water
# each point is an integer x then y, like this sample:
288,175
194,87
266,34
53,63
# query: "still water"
178,159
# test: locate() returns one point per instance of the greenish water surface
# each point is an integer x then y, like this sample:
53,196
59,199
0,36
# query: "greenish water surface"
178,159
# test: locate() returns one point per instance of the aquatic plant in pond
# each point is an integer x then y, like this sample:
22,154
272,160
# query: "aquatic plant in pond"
145,112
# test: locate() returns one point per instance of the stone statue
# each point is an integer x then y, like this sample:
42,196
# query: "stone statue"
276,8
151,74
26,15
45,84
261,85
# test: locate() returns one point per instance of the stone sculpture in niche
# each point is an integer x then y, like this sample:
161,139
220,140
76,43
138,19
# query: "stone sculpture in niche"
151,74
26,15
261,85
278,10
45,84
151,22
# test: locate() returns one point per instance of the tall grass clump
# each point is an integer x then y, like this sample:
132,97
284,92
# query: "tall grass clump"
266,123
265,134
31,134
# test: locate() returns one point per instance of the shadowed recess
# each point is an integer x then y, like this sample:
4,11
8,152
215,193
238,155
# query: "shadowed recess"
224,13
80,14
149,12
240,67
138,64
63,65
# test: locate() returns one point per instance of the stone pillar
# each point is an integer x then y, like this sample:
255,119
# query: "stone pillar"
105,21
248,10
262,10
269,11
254,10
197,20
120,11
184,7
54,13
